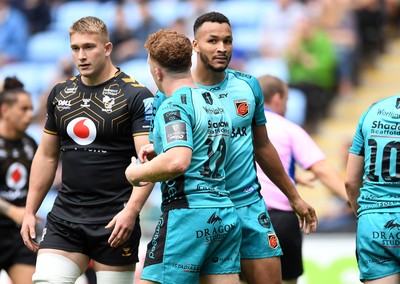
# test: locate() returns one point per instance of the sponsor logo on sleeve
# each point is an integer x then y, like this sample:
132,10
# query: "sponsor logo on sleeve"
176,132
172,116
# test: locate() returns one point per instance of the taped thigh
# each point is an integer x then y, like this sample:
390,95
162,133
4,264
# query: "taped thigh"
55,269
120,277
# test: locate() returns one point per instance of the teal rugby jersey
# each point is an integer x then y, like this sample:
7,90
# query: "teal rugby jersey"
242,97
377,138
194,118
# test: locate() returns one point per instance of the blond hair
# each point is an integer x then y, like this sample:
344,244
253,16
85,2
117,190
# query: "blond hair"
90,25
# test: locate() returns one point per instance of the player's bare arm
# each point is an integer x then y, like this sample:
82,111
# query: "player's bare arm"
354,177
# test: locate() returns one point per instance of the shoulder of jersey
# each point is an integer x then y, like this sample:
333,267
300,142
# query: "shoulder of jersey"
241,75
63,84
130,80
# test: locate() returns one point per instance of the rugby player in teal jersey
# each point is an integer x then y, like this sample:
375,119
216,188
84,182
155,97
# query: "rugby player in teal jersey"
372,184
242,96
198,234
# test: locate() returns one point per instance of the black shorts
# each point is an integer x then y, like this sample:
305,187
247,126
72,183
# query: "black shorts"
91,240
12,248
286,224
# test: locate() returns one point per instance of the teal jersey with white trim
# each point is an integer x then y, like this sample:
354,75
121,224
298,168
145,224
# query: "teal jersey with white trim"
241,95
194,118
377,139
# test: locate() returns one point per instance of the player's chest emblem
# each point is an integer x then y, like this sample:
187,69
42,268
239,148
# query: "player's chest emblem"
82,130
85,103
108,103
242,107
17,176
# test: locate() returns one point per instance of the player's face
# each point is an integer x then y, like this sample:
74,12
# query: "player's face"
89,54
213,43
20,114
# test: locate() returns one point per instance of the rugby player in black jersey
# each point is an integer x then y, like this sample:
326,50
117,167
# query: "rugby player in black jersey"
95,123
16,154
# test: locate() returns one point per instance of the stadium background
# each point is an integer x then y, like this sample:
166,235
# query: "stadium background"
329,256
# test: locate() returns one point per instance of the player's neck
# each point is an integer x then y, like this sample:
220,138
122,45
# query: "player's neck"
172,84
9,132
106,74
207,77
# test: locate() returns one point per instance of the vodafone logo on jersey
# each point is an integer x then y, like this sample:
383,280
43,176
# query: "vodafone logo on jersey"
82,130
17,176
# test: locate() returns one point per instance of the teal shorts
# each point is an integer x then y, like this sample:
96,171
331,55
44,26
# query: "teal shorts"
258,235
378,245
188,243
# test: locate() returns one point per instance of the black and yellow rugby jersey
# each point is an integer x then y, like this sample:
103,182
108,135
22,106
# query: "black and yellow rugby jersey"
96,126
15,165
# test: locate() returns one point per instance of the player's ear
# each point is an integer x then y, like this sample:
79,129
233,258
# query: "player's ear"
108,48
195,45
158,73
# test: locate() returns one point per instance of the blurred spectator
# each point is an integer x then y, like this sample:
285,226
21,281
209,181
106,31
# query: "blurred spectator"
312,69
124,44
393,14
180,25
339,21
14,33
196,8
147,26
371,19
128,42
38,14
281,17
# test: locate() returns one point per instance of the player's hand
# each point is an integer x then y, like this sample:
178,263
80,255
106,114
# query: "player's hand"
307,216
28,232
146,153
122,225
130,173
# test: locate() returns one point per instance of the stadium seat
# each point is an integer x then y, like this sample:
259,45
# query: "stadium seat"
66,13
258,66
48,46
243,13
132,14
106,12
247,41
169,12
